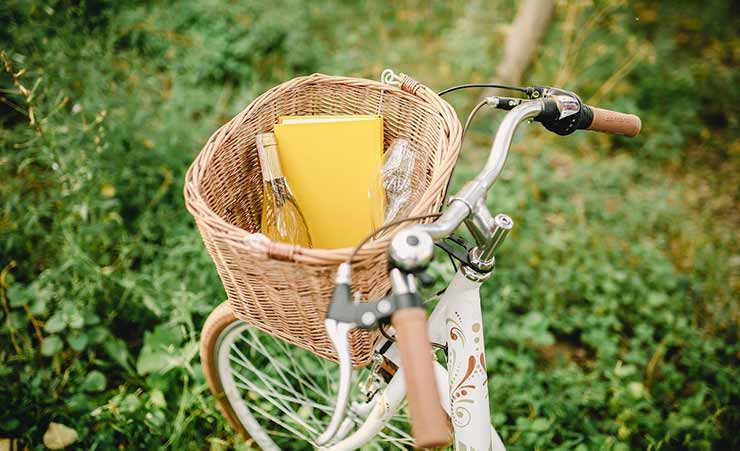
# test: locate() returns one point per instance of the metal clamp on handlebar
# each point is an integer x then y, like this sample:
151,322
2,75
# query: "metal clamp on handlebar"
563,111
360,314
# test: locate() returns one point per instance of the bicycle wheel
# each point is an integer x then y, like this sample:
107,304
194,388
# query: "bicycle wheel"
276,395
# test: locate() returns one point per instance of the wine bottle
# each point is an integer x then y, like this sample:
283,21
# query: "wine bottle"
282,220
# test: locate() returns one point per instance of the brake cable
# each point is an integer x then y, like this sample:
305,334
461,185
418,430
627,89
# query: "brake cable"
482,85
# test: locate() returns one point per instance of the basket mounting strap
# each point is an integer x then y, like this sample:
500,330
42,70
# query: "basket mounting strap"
282,251
410,85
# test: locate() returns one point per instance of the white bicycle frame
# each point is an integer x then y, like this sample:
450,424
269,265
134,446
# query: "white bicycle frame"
456,321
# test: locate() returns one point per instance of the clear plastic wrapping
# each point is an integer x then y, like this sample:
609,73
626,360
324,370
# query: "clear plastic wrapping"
398,173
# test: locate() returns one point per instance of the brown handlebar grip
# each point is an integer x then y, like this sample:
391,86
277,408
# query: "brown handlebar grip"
429,424
613,122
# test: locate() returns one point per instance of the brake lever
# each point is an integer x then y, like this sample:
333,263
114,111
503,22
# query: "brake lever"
339,335
344,315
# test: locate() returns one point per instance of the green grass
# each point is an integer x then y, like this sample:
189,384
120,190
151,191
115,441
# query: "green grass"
611,321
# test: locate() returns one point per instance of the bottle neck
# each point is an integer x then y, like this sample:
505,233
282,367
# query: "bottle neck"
268,156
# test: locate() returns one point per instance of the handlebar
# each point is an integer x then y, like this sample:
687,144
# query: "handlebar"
428,420
546,110
614,122
559,111
564,113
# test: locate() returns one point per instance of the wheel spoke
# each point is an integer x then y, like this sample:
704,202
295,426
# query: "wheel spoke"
246,364
396,430
273,396
257,343
324,409
287,386
305,380
278,421
307,377
273,399
266,380
289,390
248,385
280,366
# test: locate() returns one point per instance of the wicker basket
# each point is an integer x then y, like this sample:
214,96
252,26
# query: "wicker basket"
283,289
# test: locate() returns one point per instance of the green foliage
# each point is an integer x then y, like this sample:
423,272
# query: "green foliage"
611,321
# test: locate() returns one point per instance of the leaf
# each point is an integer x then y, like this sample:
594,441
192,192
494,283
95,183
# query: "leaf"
130,403
17,295
150,361
656,299
18,319
157,399
10,424
156,419
76,321
118,351
94,382
55,324
91,319
623,371
51,345
163,335
38,307
636,389
79,402
159,346
498,418
59,436
78,342
540,425
98,334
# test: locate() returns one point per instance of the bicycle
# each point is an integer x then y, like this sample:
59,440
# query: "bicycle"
281,396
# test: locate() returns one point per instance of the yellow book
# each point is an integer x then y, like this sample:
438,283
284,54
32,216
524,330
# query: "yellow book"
333,164
328,118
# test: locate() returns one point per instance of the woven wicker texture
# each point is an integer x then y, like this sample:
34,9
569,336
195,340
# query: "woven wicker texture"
283,289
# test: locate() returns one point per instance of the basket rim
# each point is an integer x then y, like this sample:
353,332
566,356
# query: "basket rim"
430,200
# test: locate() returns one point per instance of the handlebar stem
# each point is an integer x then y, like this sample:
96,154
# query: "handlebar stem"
480,222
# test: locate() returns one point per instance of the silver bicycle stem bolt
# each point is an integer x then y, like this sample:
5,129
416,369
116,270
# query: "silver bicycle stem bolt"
484,255
502,225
